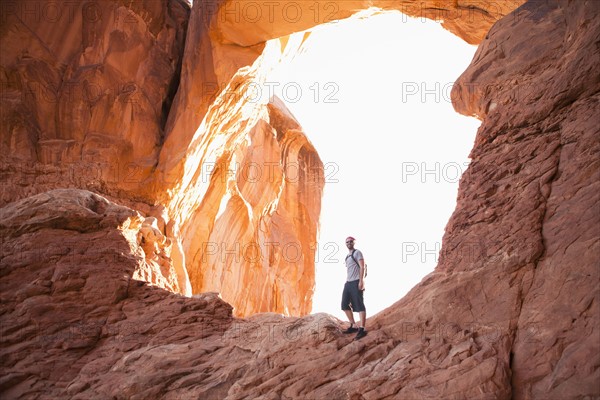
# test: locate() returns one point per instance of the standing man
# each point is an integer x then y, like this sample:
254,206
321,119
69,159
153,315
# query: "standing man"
352,297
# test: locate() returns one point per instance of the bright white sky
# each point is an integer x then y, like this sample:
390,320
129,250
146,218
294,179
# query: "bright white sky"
392,152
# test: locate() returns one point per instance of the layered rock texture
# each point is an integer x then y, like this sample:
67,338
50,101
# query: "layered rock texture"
86,90
95,283
151,105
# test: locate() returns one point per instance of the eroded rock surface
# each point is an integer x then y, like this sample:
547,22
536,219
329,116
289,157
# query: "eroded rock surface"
74,300
511,311
86,90
260,182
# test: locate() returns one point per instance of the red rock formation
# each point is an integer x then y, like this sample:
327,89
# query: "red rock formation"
511,311
86,88
101,107
251,236
542,199
72,284
223,38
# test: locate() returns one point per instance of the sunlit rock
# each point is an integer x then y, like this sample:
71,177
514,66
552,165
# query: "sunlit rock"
85,92
250,199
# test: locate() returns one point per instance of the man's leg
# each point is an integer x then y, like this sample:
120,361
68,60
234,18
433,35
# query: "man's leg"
362,332
352,328
347,310
363,318
350,316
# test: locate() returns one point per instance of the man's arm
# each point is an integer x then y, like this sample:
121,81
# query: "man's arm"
361,282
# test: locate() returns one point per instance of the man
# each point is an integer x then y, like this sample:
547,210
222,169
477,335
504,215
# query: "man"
352,297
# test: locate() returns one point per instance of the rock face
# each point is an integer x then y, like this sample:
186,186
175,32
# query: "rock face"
247,203
252,236
73,274
86,90
511,311
542,202
77,211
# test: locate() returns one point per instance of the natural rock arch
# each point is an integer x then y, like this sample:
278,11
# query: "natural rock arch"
229,41
515,315
75,114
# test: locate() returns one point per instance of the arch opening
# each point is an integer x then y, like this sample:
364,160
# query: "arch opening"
372,94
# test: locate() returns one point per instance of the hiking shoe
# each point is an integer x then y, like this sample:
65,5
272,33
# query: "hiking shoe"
350,329
361,334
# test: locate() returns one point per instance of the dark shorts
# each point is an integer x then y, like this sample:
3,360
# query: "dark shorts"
353,297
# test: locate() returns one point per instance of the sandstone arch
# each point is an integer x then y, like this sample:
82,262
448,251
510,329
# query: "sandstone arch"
230,40
129,130
515,315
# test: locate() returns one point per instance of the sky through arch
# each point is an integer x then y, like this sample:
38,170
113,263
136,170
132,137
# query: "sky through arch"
372,93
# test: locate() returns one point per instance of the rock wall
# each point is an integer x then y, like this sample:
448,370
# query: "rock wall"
86,90
249,213
79,291
542,200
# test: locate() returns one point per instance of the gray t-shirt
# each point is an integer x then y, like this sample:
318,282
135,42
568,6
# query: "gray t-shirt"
353,268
